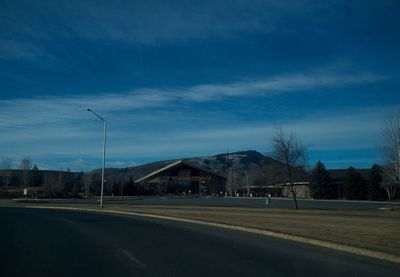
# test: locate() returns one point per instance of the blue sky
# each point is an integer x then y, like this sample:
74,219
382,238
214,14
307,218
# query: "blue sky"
186,78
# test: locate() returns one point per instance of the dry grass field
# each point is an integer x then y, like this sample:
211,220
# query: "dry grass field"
373,230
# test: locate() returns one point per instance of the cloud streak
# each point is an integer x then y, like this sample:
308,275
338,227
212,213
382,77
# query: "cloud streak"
150,22
15,50
141,125
25,112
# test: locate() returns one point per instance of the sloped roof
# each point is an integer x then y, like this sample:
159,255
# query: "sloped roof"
156,172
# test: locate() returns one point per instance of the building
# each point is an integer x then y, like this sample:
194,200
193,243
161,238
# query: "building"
182,178
279,190
302,190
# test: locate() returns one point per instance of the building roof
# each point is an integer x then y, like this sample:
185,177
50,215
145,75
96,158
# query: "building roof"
174,164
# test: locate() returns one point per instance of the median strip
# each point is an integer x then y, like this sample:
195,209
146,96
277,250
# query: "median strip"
316,242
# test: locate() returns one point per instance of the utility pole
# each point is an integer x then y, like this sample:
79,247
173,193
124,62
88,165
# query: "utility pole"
104,153
229,173
247,183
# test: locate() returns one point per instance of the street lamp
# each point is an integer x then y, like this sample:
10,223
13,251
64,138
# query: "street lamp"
104,154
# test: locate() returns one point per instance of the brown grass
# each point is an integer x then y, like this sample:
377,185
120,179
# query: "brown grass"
373,230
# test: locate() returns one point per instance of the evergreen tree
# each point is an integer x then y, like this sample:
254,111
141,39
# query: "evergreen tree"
321,184
36,178
129,188
355,186
77,185
375,190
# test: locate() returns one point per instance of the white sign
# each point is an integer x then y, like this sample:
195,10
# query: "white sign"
25,191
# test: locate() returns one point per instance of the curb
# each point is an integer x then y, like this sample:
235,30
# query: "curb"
316,242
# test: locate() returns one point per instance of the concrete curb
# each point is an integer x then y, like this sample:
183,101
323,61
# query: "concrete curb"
320,243
319,200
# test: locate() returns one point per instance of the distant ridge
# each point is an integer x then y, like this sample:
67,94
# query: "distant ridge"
240,162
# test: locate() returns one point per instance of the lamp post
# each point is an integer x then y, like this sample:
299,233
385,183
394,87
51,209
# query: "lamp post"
104,153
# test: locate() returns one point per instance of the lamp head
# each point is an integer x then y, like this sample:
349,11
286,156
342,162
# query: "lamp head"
89,110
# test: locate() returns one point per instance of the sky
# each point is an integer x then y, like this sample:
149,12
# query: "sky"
178,79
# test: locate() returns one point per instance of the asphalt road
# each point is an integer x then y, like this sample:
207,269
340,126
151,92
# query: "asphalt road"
36,242
232,202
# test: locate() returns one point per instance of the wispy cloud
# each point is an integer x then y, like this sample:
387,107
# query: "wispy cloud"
346,129
23,112
78,163
15,50
58,126
278,84
149,22
192,59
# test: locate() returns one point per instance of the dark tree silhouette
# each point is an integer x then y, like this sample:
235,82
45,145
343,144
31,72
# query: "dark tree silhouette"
290,151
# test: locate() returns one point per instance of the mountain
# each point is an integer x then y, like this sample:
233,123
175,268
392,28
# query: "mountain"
240,162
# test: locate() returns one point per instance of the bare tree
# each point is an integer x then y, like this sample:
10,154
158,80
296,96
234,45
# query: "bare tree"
61,182
390,182
46,185
7,164
290,151
236,182
87,178
26,166
390,152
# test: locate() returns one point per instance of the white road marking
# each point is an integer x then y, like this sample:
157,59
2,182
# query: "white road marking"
130,257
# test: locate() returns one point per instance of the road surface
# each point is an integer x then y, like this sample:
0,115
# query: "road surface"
39,242
231,202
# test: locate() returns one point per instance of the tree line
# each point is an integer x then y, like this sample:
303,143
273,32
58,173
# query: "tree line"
382,183
352,185
57,183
